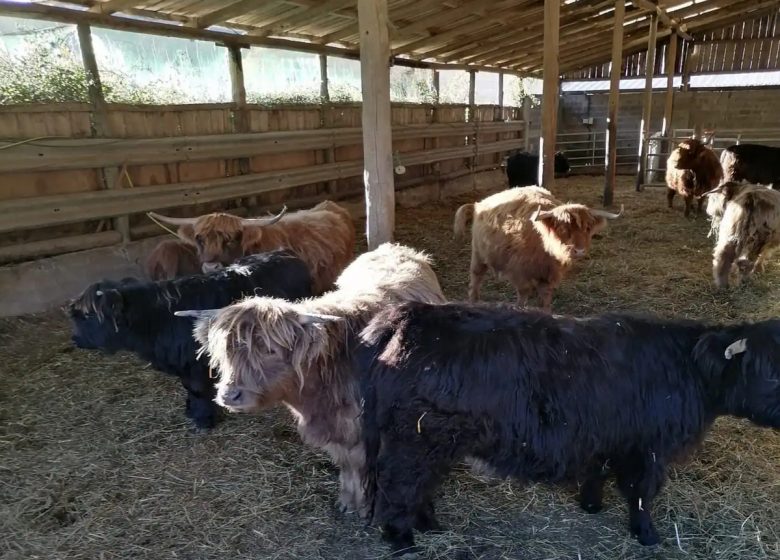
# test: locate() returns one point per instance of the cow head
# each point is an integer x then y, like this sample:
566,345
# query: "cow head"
688,151
220,237
97,316
567,229
261,348
718,197
741,365
562,166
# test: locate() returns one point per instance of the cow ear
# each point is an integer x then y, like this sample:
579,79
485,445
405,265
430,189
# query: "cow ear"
113,298
187,231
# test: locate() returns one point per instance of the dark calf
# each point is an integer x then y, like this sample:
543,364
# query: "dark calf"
138,316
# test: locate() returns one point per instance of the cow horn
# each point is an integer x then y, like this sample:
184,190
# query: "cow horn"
539,215
711,191
737,347
607,215
317,318
197,313
173,221
264,221
99,293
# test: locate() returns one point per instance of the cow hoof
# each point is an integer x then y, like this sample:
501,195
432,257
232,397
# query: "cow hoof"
591,508
649,538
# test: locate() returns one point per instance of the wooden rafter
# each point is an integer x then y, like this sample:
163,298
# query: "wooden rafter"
302,17
221,15
112,6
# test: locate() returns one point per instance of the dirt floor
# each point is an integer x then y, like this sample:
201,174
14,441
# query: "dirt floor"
97,462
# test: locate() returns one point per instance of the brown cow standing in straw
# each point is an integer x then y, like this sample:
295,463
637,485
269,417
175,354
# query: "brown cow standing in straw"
527,237
323,237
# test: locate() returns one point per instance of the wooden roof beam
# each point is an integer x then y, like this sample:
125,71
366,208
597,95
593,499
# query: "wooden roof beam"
111,6
302,17
468,8
497,19
663,16
498,44
223,14
593,32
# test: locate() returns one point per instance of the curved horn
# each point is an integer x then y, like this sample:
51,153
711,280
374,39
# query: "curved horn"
711,191
264,221
197,313
173,221
736,347
317,318
607,215
539,215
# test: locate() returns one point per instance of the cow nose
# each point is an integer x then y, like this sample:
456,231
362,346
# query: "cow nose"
579,253
232,395
211,266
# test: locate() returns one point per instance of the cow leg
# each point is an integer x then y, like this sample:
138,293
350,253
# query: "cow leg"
426,518
545,293
688,205
700,203
722,260
477,271
592,489
747,264
200,406
407,478
670,196
640,478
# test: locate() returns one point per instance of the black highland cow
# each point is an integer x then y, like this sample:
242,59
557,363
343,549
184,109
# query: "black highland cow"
552,399
522,168
137,316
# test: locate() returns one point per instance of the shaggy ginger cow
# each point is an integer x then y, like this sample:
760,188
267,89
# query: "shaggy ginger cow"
269,352
527,237
691,170
322,237
170,259
747,221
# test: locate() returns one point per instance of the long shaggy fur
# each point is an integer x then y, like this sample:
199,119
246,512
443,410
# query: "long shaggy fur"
138,316
747,218
323,237
170,259
533,256
691,170
550,399
267,353
751,162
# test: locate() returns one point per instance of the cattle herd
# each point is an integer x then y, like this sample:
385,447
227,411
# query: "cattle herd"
397,385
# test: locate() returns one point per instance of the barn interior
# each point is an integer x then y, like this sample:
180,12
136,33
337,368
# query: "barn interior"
98,461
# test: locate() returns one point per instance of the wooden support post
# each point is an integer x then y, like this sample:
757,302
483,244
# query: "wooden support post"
377,134
111,178
240,166
324,91
671,60
552,18
527,121
610,156
472,162
647,102
435,118
500,116
330,152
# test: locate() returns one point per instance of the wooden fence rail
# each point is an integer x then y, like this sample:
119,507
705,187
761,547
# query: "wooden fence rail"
80,153
28,213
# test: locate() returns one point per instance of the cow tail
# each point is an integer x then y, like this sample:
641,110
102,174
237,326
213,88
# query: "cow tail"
371,441
463,218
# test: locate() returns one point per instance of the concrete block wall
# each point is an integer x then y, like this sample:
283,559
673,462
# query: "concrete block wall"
738,109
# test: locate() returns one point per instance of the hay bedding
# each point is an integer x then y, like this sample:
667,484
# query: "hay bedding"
97,462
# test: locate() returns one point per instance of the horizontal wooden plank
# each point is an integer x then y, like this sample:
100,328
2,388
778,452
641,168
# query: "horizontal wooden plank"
55,154
58,210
